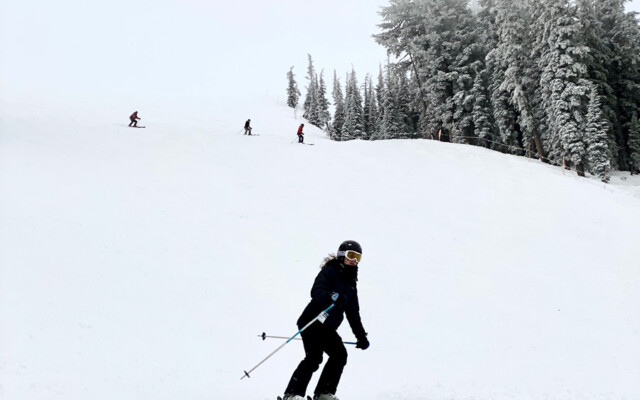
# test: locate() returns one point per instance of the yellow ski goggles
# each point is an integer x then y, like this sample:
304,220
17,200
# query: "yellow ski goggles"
351,255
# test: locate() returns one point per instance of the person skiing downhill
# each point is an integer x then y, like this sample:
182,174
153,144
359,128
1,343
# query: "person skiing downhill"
300,134
134,119
335,283
247,127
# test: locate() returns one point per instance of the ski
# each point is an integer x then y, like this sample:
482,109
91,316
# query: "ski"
137,127
308,398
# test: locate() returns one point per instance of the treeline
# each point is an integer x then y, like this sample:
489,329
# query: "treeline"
557,80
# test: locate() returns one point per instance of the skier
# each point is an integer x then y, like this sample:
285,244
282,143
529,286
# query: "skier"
335,283
134,119
247,127
300,134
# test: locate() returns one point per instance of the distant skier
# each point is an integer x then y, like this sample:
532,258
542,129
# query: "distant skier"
134,119
247,127
300,134
335,283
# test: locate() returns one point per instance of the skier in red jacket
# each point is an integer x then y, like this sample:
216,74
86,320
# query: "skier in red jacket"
134,119
300,134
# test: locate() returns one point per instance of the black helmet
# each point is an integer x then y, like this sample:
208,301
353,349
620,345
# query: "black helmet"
349,245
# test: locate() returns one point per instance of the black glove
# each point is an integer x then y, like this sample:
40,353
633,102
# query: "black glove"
362,343
338,299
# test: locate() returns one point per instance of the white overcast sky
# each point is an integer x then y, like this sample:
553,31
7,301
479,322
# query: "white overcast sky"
184,47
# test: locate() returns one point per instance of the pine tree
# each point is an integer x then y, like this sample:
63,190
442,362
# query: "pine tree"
312,109
366,106
503,110
311,102
353,127
488,26
370,109
510,61
562,82
481,113
338,115
634,143
623,35
596,137
598,61
324,116
379,92
311,77
439,42
404,102
293,94
469,60
391,126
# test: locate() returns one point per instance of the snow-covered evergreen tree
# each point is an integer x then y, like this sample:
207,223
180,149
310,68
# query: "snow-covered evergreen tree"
392,124
324,116
468,62
311,78
510,59
623,35
596,137
634,143
372,110
405,35
312,110
598,61
353,127
293,93
504,112
562,82
312,101
338,115
489,138
438,41
482,113
409,115
369,107
379,94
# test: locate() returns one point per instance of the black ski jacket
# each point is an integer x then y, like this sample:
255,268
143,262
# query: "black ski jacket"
342,279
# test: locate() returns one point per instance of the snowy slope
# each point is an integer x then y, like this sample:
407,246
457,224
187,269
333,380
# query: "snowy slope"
142,264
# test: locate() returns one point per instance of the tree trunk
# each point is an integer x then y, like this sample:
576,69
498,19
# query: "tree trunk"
538,143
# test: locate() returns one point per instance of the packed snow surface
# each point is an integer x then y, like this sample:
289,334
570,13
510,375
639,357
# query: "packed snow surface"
142,264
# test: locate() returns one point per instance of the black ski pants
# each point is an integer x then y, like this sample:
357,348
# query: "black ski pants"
318,339
134,122
300,139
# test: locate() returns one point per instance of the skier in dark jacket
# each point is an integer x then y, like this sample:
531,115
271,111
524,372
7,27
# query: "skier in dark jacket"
336,283
134,119
300,134
247,127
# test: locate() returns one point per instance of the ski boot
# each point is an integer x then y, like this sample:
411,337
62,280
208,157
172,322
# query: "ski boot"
292,397
325,396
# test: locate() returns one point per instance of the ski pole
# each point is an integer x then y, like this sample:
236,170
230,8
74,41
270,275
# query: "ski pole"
321,317
264,336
